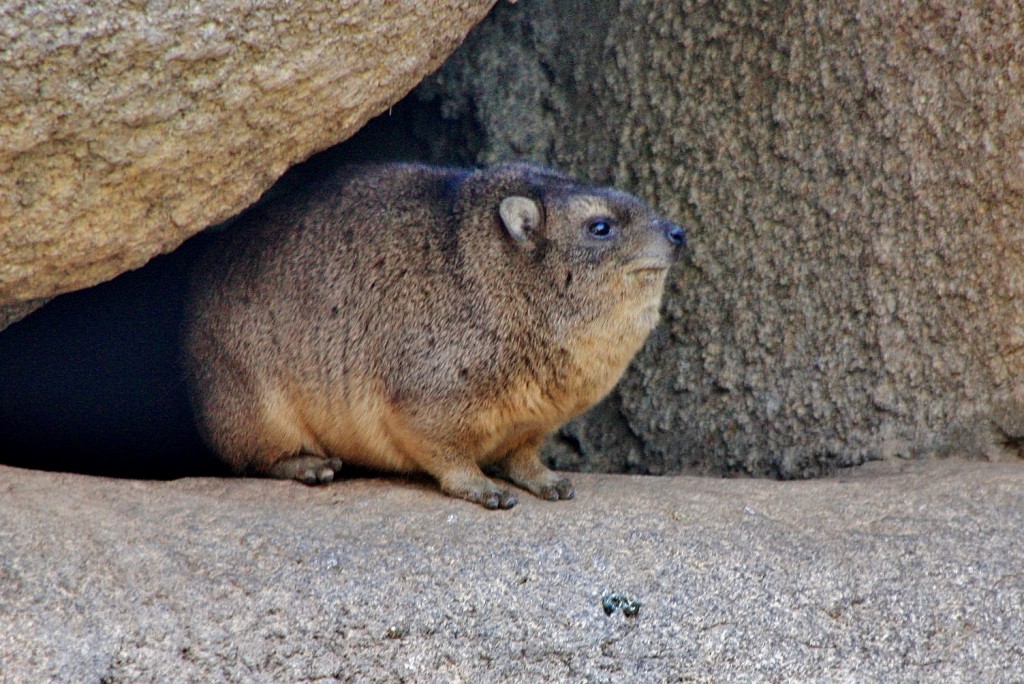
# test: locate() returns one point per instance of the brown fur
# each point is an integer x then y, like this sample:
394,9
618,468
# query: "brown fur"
393,317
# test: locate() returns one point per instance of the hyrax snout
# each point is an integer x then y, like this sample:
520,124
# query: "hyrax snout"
411,318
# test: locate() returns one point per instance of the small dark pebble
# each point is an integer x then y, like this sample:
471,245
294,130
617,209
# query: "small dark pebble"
613,602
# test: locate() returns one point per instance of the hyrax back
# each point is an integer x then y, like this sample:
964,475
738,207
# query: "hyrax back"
411,318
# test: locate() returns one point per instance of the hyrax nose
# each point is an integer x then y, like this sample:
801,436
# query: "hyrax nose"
673,232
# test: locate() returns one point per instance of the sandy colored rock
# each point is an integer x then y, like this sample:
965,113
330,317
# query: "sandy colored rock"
125,129
852,178
907,575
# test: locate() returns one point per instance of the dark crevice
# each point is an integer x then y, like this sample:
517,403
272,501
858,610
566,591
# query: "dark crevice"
1012,442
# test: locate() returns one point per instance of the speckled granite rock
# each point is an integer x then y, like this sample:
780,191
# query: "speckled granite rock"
126,127
898,573
851,178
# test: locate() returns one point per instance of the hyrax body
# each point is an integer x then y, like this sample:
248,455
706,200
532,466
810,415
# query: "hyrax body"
418,319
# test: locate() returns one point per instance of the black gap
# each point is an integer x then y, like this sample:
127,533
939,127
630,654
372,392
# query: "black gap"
91,382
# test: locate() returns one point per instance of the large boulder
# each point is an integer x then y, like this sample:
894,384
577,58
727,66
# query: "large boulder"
124,129
852,178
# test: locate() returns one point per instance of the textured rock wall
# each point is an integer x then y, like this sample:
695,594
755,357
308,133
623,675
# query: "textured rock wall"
128,127
852,178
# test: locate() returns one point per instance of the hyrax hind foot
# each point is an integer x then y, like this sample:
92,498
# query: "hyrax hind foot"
307,469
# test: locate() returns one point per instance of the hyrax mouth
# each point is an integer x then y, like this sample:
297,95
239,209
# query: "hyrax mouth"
648,267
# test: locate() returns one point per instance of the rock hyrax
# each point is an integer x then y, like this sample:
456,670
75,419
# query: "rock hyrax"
418,319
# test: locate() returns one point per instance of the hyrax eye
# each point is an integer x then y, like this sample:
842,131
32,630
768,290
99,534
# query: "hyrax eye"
600,228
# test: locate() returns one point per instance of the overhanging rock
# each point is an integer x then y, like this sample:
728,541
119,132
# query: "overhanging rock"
124,129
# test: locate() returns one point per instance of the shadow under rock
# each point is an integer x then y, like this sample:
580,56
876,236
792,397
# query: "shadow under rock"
92,383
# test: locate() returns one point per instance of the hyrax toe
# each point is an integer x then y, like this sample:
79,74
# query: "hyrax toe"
500,498
550,487
483,491
306,468
559,489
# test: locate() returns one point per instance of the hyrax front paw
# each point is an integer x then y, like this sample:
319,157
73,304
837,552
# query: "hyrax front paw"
307,469
525,469
481,490
548,485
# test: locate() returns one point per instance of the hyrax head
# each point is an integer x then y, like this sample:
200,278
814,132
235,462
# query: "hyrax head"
601,248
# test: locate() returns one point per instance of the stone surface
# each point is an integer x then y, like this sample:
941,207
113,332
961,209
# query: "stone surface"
898,573
128,127
851,177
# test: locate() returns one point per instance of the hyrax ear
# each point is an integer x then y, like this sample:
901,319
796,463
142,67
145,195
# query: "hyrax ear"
521,217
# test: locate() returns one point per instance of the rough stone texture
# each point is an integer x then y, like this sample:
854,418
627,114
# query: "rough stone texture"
12,313
852,177
883,576
128,127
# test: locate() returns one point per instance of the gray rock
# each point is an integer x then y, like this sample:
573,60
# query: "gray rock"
898,572
852,181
